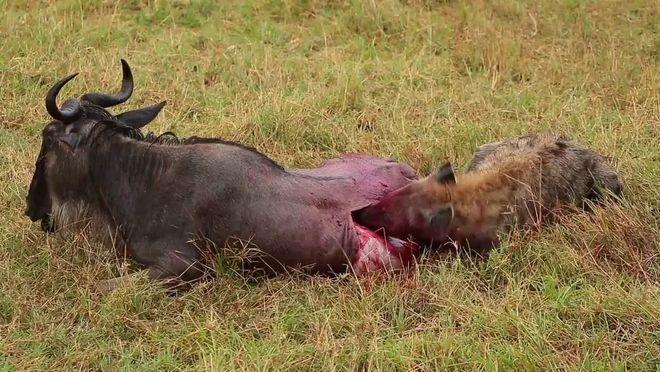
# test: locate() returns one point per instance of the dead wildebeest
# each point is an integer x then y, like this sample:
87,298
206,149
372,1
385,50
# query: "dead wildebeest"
165,197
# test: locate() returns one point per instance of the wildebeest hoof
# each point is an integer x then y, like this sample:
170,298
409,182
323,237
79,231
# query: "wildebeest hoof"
109,285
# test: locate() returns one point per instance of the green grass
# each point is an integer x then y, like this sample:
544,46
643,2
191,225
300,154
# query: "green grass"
418,80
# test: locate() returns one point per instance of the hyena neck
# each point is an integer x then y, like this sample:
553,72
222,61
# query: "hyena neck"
481,204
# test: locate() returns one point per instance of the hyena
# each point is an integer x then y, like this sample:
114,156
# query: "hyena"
523,180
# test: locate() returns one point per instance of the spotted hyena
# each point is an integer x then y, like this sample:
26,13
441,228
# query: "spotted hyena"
522,180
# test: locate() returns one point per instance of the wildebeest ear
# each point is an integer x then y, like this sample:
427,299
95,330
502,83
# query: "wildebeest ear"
141,117
444,174
442,218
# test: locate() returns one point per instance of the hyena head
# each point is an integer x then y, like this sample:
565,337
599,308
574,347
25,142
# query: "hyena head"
422,209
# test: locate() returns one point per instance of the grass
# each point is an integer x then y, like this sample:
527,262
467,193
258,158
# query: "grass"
417,80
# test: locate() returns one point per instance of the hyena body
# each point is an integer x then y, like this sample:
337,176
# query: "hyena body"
518,181
561,169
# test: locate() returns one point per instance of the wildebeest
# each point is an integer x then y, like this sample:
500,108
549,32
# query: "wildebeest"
165,197
523,180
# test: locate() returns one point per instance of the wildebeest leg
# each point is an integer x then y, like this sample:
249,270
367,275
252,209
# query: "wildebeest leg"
176,273
109,285
171,283
175,266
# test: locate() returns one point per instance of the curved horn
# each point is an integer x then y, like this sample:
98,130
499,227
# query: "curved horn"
107,100
70,110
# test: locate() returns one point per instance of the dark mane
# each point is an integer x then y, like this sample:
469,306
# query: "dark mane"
115,127
112,127
169,138
94,111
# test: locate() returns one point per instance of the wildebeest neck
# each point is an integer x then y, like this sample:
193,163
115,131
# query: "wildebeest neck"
128,172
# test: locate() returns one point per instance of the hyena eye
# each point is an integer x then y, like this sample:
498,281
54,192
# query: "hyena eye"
442,218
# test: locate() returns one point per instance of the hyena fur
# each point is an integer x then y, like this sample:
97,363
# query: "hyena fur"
521,181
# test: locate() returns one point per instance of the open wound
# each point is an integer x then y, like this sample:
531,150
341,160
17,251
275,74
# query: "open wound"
377,253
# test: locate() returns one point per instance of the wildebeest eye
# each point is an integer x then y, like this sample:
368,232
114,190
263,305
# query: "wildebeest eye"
70,139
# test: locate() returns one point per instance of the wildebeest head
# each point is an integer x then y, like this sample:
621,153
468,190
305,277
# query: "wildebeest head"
59,175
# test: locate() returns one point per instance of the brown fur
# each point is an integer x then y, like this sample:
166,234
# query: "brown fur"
523,180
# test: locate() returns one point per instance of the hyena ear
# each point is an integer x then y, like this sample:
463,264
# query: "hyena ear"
442,218
444,174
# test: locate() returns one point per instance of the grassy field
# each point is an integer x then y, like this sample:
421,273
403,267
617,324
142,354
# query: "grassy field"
421,81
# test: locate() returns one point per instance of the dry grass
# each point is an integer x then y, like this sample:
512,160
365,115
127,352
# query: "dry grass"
421,81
